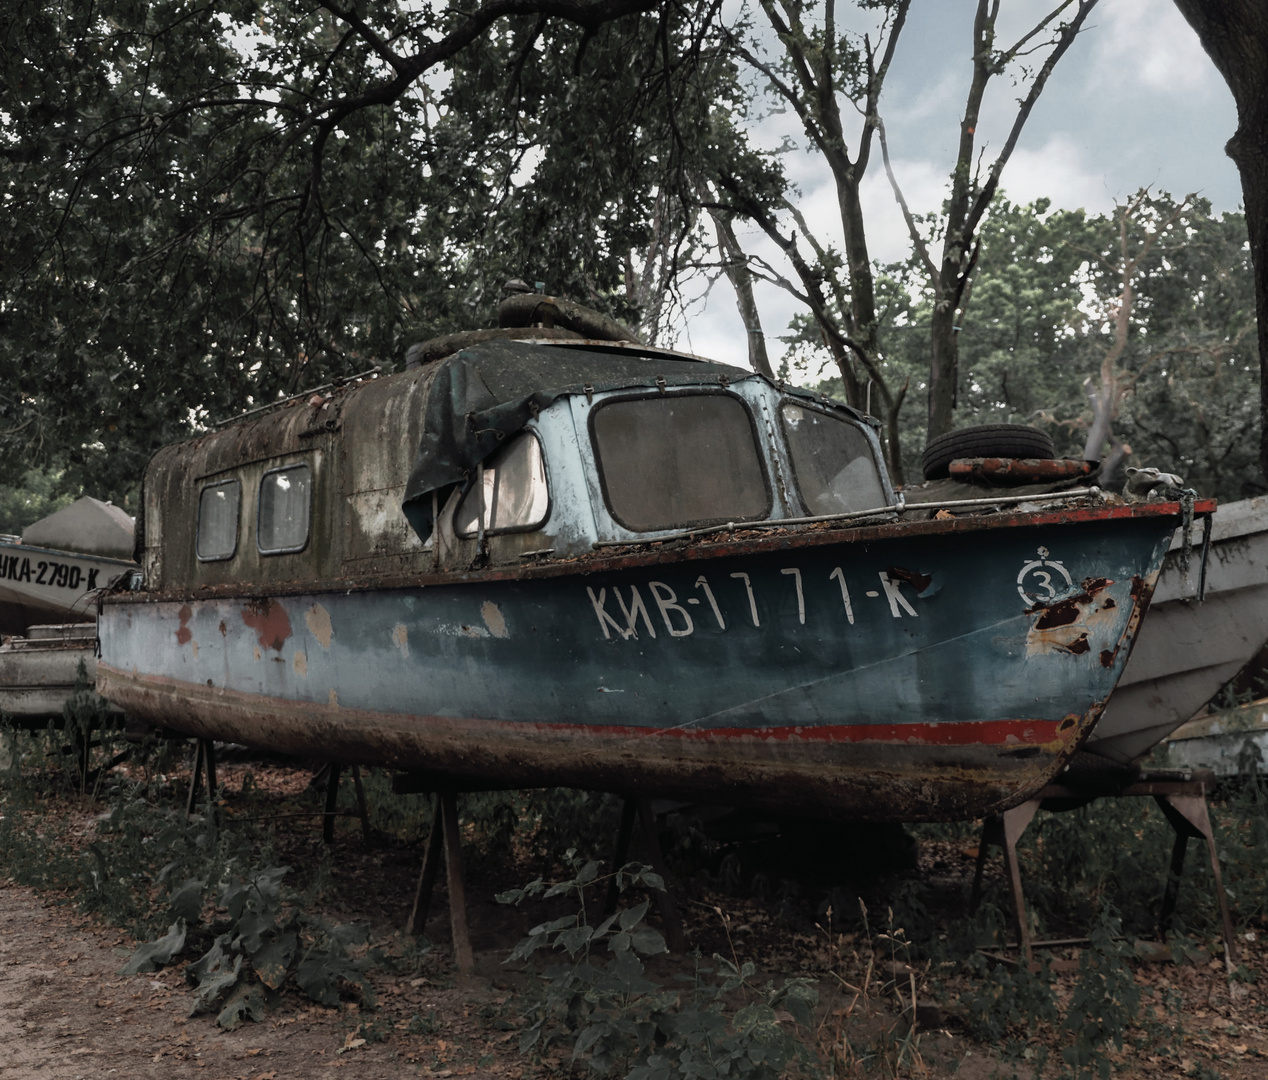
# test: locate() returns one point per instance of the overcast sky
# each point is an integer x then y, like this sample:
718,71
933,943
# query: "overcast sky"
1135,102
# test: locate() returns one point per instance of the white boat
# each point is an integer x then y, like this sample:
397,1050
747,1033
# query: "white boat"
1186,650
49,581
1228,742
53,573
38,672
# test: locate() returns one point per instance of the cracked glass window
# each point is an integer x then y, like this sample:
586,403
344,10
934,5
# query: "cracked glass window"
679,460
218,508
832,458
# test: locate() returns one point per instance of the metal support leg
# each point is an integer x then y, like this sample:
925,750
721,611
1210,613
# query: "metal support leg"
1189,817
457,885
1005,830
194,777
332,802
204,765
674,936
363,810
1015,822
621,853
992,833
427,875
444,834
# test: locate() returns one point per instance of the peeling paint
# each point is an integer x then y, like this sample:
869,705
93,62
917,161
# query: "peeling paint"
255,651
400,638
318,620
493,619
269,620
183,633
1073,624
300,662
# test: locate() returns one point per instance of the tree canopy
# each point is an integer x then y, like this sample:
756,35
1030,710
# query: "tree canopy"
216,202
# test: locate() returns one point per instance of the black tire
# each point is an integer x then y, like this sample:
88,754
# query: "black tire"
985,440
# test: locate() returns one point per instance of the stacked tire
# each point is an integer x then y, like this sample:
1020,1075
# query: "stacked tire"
984,441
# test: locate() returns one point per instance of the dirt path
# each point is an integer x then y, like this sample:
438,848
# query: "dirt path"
66,1014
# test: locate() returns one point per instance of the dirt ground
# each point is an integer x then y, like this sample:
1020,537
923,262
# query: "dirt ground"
65,1012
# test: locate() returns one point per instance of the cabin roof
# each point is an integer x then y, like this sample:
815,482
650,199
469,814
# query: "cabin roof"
484,394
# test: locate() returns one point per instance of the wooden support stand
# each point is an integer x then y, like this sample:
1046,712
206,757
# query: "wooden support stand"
675,938
444,834
1182,798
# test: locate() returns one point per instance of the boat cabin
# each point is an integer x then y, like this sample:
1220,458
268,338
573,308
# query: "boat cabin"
504,454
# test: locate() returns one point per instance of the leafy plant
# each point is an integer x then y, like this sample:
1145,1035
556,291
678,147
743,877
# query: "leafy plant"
264,947
621,1022
1105,1001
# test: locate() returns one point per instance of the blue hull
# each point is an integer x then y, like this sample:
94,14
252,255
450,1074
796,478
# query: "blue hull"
932,670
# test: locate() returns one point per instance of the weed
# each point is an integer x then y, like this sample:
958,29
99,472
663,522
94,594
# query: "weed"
621,1022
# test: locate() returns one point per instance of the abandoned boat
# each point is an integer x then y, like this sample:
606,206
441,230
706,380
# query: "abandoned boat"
1187,650
52,573
50,578
612,567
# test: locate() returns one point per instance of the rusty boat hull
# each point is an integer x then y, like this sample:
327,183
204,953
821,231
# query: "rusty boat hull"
919,670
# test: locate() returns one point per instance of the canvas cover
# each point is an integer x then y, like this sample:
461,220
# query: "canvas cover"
88,526
482,395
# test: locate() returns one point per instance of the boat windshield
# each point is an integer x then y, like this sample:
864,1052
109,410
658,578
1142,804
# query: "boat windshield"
515,496
832,458
677,460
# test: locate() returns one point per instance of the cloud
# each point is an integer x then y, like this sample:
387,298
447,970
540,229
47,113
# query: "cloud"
1147,43
1059,170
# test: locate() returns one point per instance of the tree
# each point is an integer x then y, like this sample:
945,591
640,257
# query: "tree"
1234,34
212,205
1047,313
818,71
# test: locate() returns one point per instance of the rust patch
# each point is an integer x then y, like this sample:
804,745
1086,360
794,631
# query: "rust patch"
270,622
1079,645
1108,656
1071,625
184,634
1062,614
224,630
918,581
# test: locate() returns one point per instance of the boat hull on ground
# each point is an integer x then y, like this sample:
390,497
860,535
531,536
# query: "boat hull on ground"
1187,650
40,673
925,670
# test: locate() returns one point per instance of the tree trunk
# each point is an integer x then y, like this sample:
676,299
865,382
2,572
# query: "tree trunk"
735,266
943,365
1234,34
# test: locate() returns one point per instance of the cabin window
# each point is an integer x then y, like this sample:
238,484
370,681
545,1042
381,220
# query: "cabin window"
832,458
218,509
678,460
285,499
514,497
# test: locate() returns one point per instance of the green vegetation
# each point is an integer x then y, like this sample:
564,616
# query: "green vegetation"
833,992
